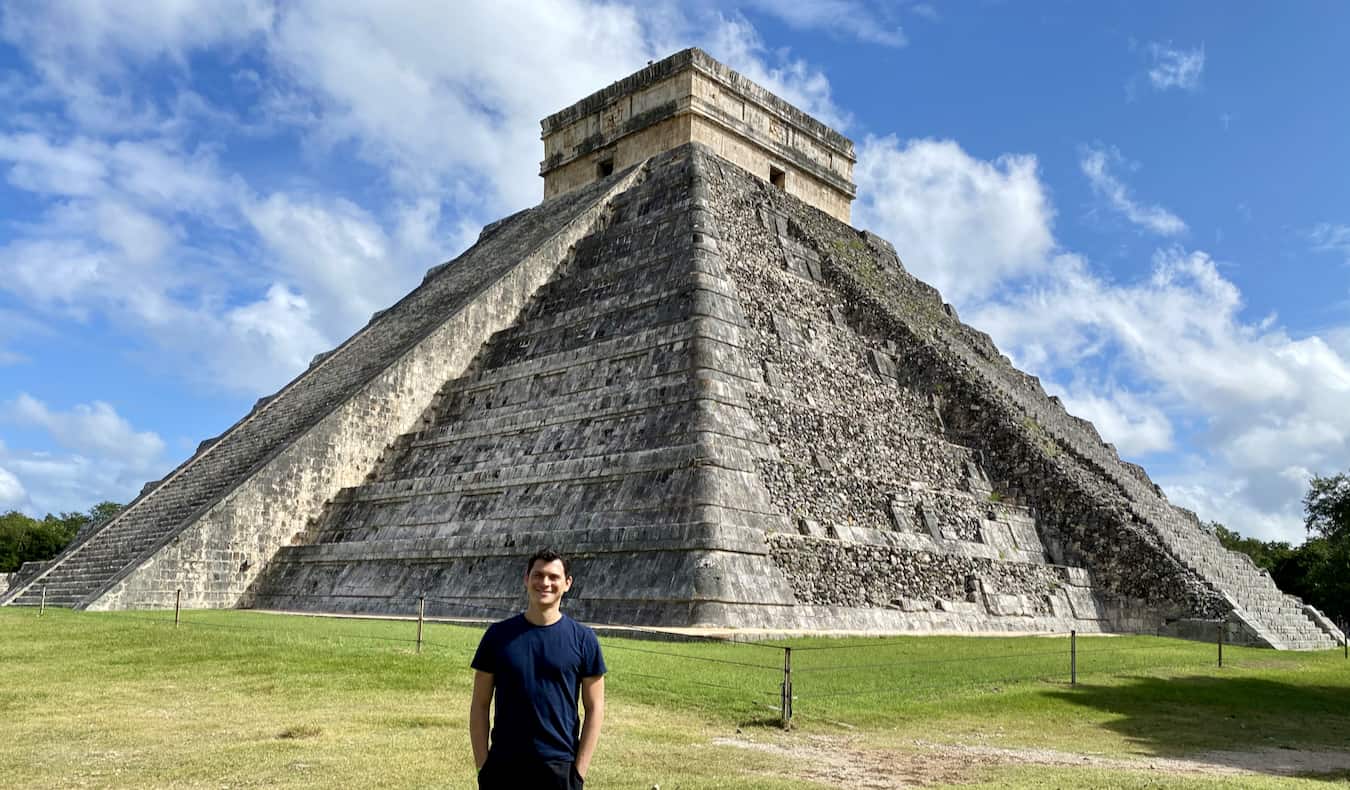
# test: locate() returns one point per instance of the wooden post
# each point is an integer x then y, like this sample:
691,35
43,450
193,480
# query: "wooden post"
787,688
1345,636
177,604
1221,623
1073,657
42,607
421,612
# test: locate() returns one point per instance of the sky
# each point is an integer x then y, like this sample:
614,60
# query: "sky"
1144,203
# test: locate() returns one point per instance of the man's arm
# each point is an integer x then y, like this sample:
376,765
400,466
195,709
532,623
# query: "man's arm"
480,710
593,701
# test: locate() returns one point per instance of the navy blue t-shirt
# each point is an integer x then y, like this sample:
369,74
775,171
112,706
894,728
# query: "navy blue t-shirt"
537,672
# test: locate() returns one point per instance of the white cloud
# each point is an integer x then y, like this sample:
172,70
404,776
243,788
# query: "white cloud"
155,173
86,54
13,326
103,34
49,270
925,10
92,428
105,458
279,329
1175,68
846,18
962,224
38,165
1096,163
1268,407
1136,426
12,493
336,253
395,78
1216,495
734,41
1330,237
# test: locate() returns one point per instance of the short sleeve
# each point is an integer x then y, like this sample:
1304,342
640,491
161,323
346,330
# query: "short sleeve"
592,660
485,657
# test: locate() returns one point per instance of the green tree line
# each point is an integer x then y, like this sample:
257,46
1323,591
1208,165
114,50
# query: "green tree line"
27,539
1319,570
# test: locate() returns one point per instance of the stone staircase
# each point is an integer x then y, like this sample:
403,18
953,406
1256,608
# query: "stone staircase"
91,562
1271,616
1275,617
84,569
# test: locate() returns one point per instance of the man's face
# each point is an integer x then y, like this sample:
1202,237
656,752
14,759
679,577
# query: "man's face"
546,582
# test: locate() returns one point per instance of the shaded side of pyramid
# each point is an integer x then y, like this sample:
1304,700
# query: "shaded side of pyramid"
1007,460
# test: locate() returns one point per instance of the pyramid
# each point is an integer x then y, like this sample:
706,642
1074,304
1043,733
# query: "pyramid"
685,370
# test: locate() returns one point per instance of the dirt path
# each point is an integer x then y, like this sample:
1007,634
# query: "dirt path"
842,762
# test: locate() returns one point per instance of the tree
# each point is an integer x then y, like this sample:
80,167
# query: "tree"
1327,516
1269,555
103,511
1327,505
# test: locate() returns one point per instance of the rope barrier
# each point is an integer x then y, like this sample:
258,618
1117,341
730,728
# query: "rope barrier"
708,659
895,641
931,661
719,686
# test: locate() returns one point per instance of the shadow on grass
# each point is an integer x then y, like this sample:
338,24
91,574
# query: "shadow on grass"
1251,723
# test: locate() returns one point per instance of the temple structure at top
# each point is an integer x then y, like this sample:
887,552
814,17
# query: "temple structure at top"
691,98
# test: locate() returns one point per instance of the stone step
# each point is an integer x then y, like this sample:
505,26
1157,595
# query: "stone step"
652,294
592,468
594,398
666,346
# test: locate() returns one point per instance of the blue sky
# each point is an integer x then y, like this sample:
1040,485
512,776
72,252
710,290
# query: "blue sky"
1144,203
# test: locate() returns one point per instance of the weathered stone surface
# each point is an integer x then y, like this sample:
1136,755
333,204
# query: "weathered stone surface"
691,98
1076,500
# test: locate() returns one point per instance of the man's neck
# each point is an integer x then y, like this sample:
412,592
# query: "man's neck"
539,616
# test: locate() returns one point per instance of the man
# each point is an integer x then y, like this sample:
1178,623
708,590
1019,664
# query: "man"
536,664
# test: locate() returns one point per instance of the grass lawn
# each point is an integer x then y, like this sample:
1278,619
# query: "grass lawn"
246,699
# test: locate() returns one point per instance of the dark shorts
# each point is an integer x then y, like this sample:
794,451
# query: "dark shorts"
513,773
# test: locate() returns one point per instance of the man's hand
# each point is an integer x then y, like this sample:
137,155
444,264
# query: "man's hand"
593,701
480,713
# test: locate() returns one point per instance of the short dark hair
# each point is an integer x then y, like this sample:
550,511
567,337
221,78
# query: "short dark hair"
546,556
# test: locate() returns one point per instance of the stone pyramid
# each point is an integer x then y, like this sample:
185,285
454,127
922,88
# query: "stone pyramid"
688,372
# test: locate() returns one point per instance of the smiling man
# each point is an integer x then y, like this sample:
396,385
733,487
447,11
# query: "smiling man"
535,665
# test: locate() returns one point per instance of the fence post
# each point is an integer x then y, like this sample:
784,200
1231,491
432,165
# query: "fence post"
42,607
787,688
421,611
1221,622
1073,657
177,605
1345,637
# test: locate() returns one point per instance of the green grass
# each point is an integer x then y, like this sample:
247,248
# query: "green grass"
245,699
